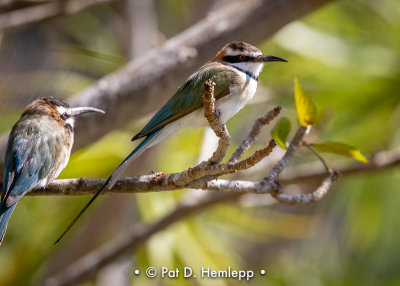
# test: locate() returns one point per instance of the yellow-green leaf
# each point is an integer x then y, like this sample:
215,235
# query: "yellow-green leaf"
281,132
306,110
340,149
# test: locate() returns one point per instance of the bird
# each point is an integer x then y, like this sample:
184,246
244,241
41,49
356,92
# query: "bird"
38,149
234,70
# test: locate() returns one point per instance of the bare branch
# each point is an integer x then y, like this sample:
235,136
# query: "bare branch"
278,168
301,199
210,112
9,5
218,127
255,158
255,131
383,161
237,186
33,14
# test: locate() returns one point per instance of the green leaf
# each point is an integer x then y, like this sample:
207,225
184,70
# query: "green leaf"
340,149
281,132
306,110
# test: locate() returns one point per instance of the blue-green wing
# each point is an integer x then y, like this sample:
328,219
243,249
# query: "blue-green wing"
189,97
29,158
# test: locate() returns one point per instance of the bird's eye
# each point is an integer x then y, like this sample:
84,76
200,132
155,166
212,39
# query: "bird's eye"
242,57
64,116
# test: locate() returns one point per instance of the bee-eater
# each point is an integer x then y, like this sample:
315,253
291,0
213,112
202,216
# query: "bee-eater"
234,70
38,149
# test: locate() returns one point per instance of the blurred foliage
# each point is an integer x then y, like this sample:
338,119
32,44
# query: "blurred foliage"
281,131
348,57
340,149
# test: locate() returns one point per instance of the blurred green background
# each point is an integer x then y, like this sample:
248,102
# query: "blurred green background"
347,55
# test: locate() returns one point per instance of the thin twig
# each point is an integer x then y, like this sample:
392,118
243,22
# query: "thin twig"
216,125
255,158
312,149
316,195
255,131
278,168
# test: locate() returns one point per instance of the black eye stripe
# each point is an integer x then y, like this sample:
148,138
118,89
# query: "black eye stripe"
237,59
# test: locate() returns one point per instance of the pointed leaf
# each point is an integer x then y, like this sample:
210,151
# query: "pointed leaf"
340,149
306,110
281,132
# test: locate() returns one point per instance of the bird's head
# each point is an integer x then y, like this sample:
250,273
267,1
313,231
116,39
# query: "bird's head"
245,57
58,109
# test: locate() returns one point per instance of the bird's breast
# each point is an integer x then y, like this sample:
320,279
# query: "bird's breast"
238,97
54,144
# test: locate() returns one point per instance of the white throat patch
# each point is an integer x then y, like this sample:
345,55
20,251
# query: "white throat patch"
71,122
249,67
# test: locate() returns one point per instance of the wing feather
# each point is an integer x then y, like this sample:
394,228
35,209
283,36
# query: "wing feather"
189,97
29,159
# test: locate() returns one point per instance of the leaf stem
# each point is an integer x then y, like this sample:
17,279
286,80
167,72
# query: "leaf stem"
311,148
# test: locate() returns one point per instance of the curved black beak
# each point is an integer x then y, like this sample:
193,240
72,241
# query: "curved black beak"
267,58
75,111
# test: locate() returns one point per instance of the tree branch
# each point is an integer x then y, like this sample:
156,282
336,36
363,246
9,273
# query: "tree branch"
44,10
383,161
256,129
278,168
129,242
219,128
316,195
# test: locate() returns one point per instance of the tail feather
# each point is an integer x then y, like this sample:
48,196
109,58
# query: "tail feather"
5,214
113,178
131,157
83,210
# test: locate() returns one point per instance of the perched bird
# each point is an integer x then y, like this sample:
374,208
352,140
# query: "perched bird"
38,149
234,70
